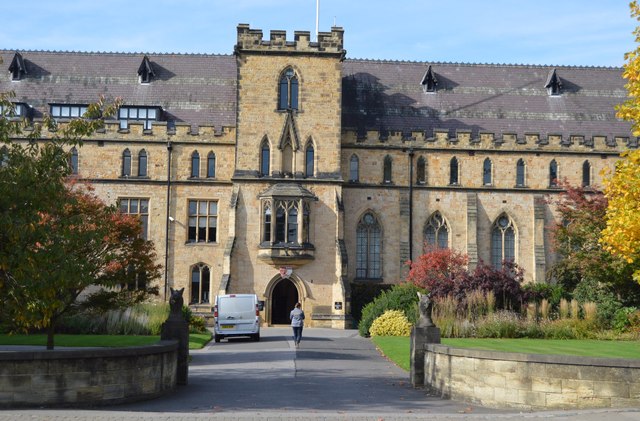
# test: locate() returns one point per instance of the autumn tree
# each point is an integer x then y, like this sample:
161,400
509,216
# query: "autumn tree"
577,237
57,238
621,236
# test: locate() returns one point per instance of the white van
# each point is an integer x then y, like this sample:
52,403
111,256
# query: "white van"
236,315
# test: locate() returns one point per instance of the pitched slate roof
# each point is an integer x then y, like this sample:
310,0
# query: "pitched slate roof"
195,88
481,97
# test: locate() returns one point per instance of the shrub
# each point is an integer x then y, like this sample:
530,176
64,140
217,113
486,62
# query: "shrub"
140,319
362,294
391,323
501,324
589,290
538,291
402,297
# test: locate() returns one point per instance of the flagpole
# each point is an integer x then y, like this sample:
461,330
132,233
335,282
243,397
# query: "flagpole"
317,17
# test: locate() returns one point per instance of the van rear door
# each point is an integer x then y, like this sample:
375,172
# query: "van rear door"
236,313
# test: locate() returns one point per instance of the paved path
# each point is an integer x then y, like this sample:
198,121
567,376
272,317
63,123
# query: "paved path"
334,375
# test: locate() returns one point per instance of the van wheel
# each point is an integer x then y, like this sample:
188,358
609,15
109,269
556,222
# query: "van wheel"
217,338
256,337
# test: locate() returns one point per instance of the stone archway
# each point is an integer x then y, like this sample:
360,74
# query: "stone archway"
283,298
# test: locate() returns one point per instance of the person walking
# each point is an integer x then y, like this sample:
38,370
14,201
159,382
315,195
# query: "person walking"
297,322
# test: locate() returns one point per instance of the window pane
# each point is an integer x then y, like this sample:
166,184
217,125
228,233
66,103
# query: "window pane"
211,166
55,111
133,206
496,248
264,161
145,225
486,172
294,93
292,226
213,208
353,169
124,206
192,228
280,225
75,111
309,163
142,165
202,208
509,244
144,206
133,113
193,206
123,113
142,113
151,114
284,94
520,173
453,175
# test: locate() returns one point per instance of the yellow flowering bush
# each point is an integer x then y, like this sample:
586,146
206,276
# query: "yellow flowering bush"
391,323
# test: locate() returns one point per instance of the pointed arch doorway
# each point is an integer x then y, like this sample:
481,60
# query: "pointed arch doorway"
283,298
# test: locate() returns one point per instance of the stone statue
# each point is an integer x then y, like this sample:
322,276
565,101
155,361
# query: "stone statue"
425,306
175,303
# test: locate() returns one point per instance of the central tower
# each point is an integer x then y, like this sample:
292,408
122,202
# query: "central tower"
288,213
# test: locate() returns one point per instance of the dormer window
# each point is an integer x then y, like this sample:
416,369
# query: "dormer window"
554,84
145,71
20,110
429,81
146,115
17,68
67,111
288,90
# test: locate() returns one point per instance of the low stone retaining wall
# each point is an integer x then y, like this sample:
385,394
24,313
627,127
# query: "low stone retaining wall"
529,381
87,377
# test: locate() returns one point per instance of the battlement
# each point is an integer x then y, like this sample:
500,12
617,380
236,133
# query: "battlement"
465,139
251,40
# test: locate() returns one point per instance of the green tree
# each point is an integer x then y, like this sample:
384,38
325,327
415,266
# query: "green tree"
57,238
621,236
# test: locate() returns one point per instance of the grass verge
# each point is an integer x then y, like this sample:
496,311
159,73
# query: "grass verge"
196,340
396,348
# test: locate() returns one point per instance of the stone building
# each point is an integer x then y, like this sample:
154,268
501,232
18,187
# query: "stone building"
290,171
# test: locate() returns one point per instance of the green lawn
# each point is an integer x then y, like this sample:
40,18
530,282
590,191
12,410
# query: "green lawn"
196,340
396,348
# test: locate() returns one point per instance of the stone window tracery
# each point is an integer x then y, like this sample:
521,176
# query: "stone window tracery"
200,284
288,90
436,231
368,248
503,241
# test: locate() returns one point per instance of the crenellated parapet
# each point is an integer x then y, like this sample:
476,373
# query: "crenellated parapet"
466,139
159,131
251,40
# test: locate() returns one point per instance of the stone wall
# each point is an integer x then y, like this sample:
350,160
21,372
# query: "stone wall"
529,381
87,377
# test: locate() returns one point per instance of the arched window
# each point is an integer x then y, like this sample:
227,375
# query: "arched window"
309,161
520,173
386,176
288,90
354,168
211,165
73,161
454,169
142,163
265,158
126,163
368,248
586,174
200,284
195,164
553,174
266,233
421,171
503,241
436,231
486,172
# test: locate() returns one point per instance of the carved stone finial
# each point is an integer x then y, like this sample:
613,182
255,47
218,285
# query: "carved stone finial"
425,306
175,302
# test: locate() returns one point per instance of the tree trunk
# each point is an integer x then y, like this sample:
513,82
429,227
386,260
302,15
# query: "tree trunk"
50,330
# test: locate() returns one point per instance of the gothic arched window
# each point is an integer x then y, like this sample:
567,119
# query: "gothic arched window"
265,157
454,171
142,163
586,174
354,168
368,248
421,171
436,231
288,90
386,176
126,163
195,164
553,174
200,284
309,161
211,165
503,241
487,169
520,173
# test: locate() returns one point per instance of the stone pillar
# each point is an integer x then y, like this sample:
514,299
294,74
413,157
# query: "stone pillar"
177,328
420,336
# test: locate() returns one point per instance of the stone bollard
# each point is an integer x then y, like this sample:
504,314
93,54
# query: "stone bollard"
424,332
177,328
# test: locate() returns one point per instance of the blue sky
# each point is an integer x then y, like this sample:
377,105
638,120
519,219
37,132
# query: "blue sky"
555,32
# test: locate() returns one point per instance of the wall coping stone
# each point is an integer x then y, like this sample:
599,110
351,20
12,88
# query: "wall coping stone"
533,358
93,352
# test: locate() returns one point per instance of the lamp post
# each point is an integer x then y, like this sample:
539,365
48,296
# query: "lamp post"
168,219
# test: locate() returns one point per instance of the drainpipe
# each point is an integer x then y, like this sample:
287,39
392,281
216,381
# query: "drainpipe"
166,232
411,203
